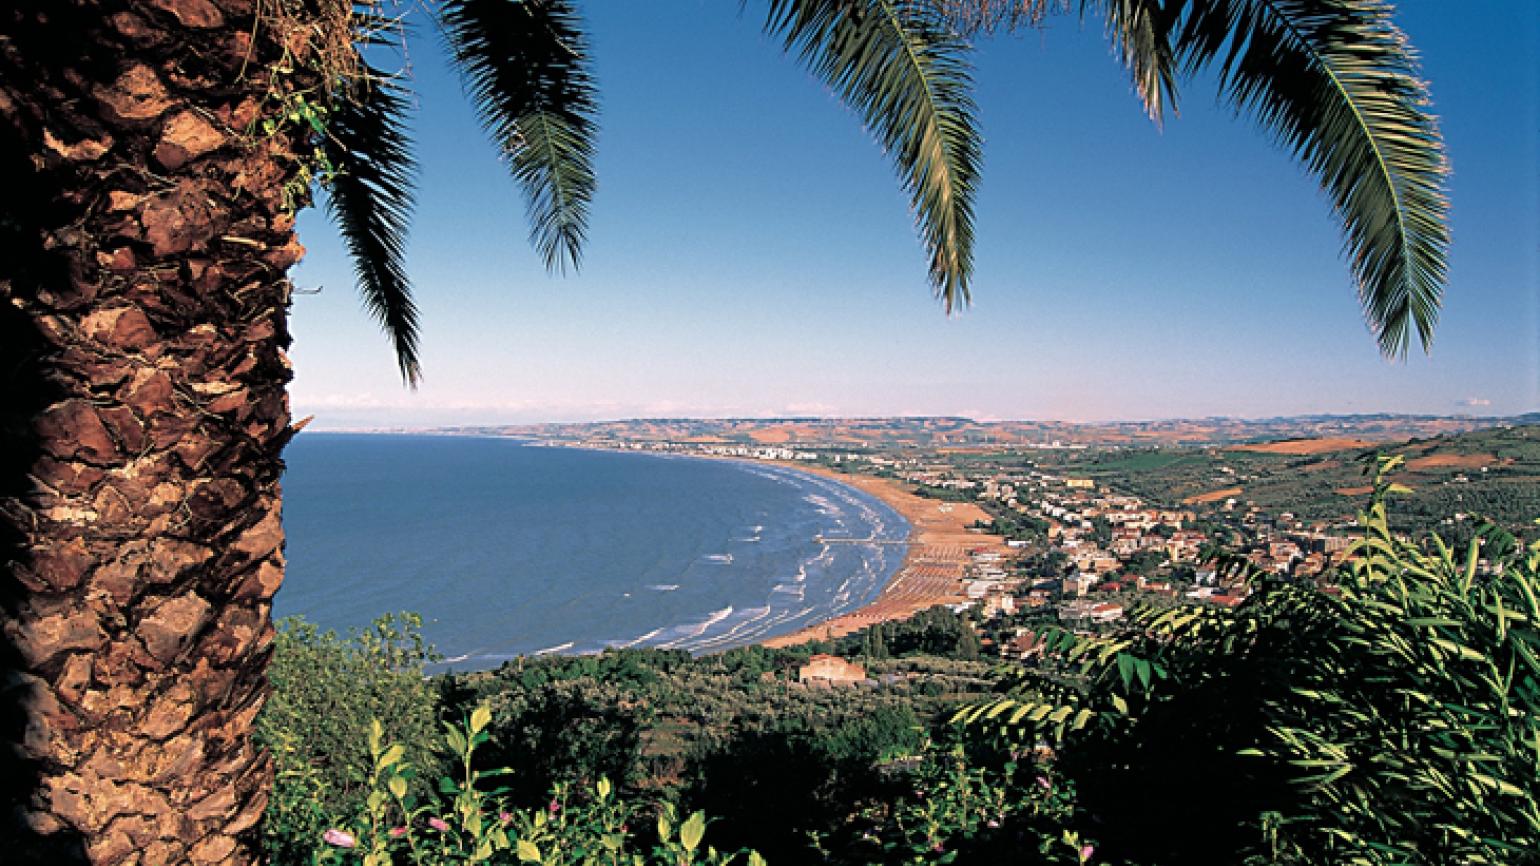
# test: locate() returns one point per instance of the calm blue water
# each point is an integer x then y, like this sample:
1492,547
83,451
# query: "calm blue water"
509,549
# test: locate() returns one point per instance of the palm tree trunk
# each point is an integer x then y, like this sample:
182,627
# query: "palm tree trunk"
142,326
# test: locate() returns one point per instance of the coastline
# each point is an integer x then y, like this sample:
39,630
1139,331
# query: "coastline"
940,546
939,549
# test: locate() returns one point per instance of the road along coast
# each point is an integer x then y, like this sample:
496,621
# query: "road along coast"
941,546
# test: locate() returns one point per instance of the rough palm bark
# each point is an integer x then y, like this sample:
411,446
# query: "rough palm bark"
142,333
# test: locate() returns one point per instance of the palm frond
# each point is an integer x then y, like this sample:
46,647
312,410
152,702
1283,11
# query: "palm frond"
901,67
1140,31
526,67
971,17
1336,82
371,199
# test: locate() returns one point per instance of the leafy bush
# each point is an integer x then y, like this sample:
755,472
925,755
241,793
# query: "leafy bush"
564,733
328,691
468,821
958,806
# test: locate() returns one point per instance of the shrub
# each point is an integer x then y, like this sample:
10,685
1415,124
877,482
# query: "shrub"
466,820
327,693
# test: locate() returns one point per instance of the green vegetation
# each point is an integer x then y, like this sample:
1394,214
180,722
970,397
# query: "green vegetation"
944,494
937,633
328,692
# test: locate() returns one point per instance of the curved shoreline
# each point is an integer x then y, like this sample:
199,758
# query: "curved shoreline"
935,564
940,547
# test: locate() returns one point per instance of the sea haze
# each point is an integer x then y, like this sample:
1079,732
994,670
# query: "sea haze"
508,548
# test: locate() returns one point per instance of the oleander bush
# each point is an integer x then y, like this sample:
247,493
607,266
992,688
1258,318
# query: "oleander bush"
467,819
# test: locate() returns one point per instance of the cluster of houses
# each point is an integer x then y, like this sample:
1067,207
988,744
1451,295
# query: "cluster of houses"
746,452
1100,534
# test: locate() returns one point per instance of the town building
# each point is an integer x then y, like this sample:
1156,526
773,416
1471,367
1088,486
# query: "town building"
830,670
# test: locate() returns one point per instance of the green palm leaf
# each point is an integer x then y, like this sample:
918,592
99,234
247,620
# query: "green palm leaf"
1337,82
526,67
1140,31
900,66
371,200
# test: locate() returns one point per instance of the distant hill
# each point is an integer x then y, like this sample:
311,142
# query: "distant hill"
965,434
1492,472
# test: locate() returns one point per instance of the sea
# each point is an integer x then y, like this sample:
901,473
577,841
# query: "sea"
510,548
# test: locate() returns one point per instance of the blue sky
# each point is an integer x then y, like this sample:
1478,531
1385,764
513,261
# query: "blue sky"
751,253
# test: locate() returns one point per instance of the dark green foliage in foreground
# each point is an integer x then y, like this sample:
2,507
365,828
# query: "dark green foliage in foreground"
809,775
466,818
569,733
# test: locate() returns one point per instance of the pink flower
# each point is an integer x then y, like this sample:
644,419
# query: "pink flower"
438,824
1086,852
1042,782
505,817
555,807
339,838
397,832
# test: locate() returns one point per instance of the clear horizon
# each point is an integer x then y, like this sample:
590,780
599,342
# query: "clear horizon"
751,255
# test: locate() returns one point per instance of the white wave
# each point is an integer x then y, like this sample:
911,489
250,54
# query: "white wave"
555,649
747,619
695,630
662,587
648,636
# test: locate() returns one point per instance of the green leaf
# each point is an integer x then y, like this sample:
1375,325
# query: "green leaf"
371,198
480,718
691,831
527,851
1126,670
526,67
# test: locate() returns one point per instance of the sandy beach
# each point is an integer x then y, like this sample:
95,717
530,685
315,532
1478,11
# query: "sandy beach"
940,547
